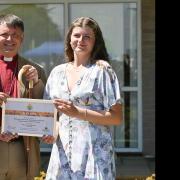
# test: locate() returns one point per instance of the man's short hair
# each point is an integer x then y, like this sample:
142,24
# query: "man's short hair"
12,21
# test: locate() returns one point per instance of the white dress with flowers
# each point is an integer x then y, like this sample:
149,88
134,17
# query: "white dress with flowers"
83,151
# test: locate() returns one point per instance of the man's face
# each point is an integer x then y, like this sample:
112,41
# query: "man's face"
10,40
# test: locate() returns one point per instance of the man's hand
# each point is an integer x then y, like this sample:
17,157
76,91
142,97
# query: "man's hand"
29,72
48,139
3,97
7,137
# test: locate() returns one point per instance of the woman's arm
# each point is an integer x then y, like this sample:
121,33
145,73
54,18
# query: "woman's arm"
111,117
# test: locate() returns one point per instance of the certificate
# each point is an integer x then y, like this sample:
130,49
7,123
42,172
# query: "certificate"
29,117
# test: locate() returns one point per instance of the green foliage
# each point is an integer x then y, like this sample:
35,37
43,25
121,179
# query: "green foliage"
38,25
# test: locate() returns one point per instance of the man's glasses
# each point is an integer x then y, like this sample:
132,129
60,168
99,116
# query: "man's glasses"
13,36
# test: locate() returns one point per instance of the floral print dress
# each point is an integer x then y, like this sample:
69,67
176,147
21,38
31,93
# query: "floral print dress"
83,150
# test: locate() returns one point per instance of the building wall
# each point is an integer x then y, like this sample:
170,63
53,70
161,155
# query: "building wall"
148,75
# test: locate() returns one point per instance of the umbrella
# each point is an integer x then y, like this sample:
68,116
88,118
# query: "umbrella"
47,48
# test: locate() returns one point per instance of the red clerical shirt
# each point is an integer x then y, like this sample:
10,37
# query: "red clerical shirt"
8,78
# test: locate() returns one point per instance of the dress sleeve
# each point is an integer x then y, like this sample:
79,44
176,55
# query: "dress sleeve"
110,88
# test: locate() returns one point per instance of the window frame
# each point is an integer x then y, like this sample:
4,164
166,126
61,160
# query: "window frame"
137,89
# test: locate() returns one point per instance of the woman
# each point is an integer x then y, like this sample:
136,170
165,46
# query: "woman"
86,94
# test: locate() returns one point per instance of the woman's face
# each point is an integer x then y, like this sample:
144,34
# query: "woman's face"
10,40
82,40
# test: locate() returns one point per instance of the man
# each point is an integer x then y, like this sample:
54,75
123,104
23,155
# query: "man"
13,156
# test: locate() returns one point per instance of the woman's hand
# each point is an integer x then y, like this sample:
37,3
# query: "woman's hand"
7,137
66,107
48,139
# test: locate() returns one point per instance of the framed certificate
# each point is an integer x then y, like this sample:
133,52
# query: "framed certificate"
29,117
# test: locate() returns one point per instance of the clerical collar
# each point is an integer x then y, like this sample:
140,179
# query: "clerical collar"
7,59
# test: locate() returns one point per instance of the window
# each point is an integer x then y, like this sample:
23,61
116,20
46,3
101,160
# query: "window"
45,26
